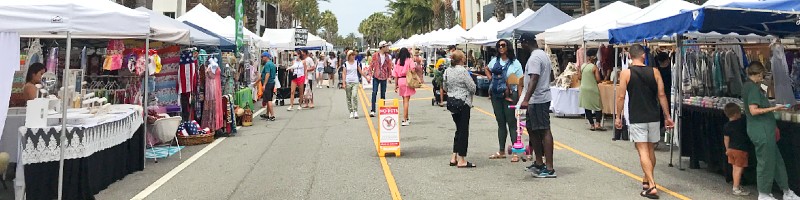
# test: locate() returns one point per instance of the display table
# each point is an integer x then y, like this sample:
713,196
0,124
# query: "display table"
565,102
702,139
607,98
96,155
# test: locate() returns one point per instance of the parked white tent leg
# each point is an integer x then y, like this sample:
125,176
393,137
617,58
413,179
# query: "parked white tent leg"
64,101
146,88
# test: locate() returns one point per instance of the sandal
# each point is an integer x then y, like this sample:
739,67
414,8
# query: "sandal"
497,155
645,186
453,164
469,165
515,158
646,193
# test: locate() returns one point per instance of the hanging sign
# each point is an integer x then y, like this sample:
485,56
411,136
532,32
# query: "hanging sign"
300,37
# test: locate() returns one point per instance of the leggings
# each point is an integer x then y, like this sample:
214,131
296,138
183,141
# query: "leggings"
597,115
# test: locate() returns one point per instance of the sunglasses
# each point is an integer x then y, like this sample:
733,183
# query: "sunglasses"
502,45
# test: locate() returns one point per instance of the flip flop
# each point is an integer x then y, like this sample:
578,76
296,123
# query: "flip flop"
646,193
453,164
469,165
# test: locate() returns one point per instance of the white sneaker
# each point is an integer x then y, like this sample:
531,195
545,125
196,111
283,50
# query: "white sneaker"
405,123
351,115
740,191
355,114
765,196
408,121
299,108
289,108
789,195
371,113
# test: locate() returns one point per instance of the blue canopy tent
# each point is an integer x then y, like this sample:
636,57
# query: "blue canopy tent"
775,17
224,43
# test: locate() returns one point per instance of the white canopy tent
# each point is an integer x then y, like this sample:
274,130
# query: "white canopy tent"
488,33
450,36
659,10
476,33
283,39
203,17
81,18
516,22
196,37
67,19
546,17
590,27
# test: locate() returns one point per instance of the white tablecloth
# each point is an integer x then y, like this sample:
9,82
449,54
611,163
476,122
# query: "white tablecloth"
565,101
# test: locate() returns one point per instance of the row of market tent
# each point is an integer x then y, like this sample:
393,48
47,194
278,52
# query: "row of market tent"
99,19
620,22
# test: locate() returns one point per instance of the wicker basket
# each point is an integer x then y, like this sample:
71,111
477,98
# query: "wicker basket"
195,139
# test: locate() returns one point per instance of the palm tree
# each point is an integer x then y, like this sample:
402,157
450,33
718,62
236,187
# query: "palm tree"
291,9
414,15
499,9
329,22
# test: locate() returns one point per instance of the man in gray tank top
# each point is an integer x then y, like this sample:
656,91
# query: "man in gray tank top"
647,101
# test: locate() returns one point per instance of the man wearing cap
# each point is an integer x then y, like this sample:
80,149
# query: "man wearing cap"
380,68
268,74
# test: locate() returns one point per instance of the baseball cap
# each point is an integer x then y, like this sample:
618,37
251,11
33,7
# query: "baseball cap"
266,54
384,44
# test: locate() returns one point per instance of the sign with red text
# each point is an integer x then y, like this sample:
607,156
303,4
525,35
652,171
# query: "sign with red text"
389,125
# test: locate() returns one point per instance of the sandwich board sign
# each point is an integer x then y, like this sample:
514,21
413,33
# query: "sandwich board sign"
389,123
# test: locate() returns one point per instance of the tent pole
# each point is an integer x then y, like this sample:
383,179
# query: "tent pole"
677,101
146,88
64,100
614,71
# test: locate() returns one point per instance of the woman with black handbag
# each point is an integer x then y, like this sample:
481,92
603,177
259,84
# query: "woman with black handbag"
460,89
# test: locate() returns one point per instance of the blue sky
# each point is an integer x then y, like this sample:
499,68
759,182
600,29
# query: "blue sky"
351,12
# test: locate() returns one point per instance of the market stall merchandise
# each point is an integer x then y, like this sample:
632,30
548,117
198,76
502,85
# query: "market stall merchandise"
101,151
702,140
698,129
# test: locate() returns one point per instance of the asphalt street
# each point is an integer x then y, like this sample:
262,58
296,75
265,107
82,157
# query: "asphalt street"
321,154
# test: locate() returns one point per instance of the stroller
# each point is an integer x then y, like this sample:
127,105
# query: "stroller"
285,91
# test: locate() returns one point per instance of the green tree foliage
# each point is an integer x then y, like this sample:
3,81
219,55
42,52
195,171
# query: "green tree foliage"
380,27
329,22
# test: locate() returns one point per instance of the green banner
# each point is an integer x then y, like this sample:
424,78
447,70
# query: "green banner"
238,16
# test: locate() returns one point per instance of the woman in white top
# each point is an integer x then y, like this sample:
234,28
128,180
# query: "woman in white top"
320,69
298,82
351,78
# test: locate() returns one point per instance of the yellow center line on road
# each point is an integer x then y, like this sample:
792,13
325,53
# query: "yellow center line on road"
387,172
603,163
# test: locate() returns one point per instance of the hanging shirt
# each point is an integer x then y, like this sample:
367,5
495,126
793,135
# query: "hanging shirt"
186,73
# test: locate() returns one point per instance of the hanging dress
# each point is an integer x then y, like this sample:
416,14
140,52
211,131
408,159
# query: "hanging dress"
212,109
780,73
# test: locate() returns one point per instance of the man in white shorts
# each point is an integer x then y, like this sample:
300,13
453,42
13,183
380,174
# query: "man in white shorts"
647,101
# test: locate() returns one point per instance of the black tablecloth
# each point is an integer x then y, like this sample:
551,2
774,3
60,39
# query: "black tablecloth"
85,177
702,139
